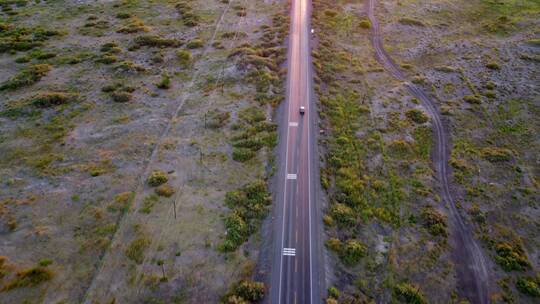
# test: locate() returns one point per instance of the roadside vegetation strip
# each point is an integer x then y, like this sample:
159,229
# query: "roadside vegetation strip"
148,167
261,65
473,255
377,170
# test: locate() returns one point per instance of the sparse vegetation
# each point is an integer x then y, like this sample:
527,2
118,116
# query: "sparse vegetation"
26,77
28,278
249,206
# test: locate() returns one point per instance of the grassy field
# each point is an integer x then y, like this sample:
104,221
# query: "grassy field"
119,123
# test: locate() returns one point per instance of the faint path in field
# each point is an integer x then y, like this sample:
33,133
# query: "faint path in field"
97,280
472,274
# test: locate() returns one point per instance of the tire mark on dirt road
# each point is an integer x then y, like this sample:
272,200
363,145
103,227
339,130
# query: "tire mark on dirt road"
473,280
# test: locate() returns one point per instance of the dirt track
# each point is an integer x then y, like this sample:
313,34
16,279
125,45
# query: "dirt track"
473,279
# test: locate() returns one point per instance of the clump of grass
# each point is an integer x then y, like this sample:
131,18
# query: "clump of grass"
107,59
399,148
364,23
189,18
493,66
242,154
148,203
529,286
410,22
29,278
133,26
165,190
490,94
156,41
434,221
136,248
26,77
157,178
51,99
13,39
496,154
418,116
184,57
128,66
195,44
164,83
111,48
123,15
216,119
472,99
121,96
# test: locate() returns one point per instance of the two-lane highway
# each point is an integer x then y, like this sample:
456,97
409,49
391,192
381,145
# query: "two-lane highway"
295,277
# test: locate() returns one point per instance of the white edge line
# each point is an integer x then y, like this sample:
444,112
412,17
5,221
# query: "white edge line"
285,181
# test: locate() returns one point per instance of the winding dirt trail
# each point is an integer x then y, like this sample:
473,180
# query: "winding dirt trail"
473,280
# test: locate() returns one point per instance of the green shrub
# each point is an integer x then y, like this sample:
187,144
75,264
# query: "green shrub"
434,221
333,292
511,256
496,154
26,77
365,24
410,22
490,94
107,59
249,205
45,262
157,178
243,154
417,116
184,57
136,248
250,290
343,215
165,82
195,44
399,148
133,26
352,252
334,244
29,278
50,99
472,99
164,190
217,119
493,66
409,294
123,15
156,41
529,286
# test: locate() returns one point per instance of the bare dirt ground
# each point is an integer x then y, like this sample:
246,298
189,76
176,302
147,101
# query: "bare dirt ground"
116,92
478,62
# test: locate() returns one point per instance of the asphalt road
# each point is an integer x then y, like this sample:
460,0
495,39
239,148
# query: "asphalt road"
295,273
473,279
